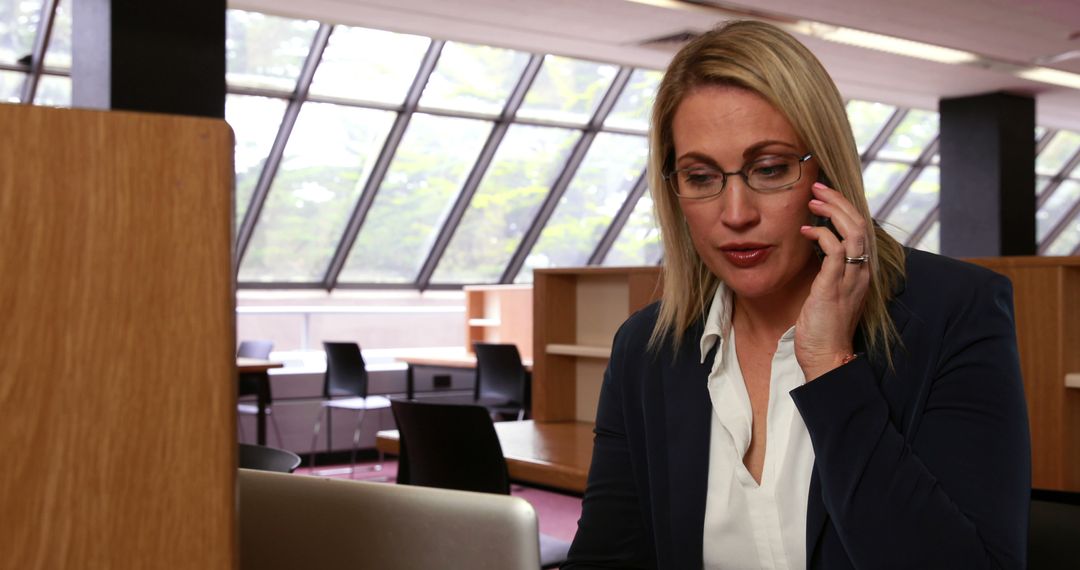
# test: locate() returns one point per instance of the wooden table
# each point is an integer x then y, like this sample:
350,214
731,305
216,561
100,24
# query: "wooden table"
256,369
455,358
554,454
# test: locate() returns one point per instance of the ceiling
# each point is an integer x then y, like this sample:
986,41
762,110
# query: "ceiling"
1006,34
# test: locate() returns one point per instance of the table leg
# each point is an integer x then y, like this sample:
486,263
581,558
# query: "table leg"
262,401
409,388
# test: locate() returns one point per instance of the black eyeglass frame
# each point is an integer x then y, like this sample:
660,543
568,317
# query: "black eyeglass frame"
669,178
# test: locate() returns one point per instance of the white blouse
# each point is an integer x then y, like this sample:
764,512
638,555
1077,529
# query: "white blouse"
749,525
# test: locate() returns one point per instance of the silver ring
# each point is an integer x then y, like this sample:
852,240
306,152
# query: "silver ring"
857,260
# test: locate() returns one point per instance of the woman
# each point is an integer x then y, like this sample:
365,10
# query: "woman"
799,397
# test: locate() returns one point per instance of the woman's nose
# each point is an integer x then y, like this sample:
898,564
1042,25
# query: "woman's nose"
738,204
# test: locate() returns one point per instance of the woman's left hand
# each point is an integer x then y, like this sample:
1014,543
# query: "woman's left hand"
830,314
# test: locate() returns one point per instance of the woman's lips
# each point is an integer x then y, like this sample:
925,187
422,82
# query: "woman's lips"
748,256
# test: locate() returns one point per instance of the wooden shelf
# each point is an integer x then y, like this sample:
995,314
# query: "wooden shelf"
484,322
577,311
500,313
579,350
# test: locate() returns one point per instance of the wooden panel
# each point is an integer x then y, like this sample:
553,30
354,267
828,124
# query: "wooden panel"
1047,300
646,286
602,302
1070,347
554,309
117,383
589,375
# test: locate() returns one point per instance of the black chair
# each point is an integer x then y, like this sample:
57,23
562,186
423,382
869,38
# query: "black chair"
1054,530
454,446
501,379
345,386
257,385
267,458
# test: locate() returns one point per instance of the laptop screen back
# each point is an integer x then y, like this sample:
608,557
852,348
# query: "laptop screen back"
296,521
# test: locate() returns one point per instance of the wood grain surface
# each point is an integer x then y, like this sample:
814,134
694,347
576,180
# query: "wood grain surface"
117,375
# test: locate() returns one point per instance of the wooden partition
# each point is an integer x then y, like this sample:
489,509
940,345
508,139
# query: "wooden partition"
500,313
117,378
1046,292
576,313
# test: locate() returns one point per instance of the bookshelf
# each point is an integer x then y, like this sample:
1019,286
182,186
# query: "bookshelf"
500,313
576,313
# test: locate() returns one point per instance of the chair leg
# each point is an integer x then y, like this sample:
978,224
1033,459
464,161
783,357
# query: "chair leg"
315,436
356,442
356,446
277,432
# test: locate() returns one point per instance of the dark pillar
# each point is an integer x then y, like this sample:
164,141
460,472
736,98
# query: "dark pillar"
987,175
160,56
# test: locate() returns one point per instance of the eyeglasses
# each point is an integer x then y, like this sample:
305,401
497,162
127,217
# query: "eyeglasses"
765,175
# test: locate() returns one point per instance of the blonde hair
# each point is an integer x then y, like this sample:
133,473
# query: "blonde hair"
764,59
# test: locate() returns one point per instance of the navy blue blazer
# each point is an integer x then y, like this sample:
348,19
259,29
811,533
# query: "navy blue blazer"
925,465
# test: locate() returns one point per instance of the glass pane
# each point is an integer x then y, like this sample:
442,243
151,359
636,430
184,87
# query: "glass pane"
266,51
599,188
476,79
326,163
369,65
53,91
519,177
1055,208
911,136
567,90
58,52
639,241
1054,156
931,241
632,109
1068,240
428,170
879,179
11,83
18,26
1041,182
866,120
920,198
255,122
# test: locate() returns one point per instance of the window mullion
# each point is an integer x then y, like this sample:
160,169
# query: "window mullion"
382,165
468,190
273,160
37,55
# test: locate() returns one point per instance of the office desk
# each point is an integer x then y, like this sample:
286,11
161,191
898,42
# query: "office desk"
256,369
553,454
452,358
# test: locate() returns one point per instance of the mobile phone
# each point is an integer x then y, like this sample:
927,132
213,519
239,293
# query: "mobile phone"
826,222
822,220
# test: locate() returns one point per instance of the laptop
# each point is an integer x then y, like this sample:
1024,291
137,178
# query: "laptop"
300,522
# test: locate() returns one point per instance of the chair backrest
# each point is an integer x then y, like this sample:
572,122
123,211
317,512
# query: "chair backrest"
346,373
265,458
499,372
250,384
450,446
255,349
1054,529
295,521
